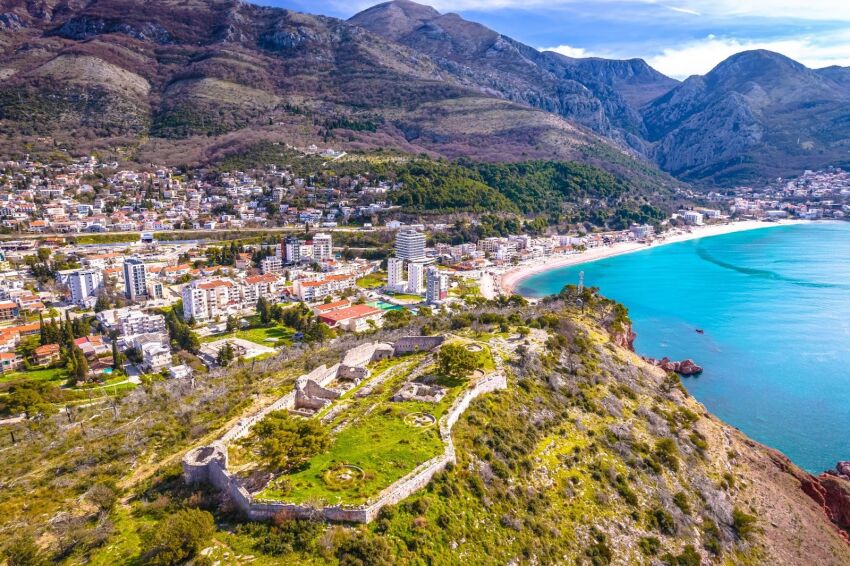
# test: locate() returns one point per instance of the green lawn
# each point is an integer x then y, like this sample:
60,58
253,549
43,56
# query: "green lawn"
376,439
373,281
260,335
48,374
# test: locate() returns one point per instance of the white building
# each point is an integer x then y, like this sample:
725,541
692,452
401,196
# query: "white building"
210,299
410,245
292,249
436,285
135,278
155,357
271,264
323,247
395,274
416,277
137,322
84,284
693,218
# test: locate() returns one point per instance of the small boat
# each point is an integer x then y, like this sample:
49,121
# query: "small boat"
700,331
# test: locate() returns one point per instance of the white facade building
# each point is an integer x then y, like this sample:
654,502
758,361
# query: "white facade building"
323,247
416,277
84,284
410,245
395,274
135,278
271,264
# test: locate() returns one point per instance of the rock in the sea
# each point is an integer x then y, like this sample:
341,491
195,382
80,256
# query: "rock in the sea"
687,367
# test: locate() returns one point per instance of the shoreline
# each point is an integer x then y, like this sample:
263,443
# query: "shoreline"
508,281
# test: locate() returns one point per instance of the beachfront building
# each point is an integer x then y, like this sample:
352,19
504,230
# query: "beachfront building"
410,245
135,279
436,285
84,285
693,218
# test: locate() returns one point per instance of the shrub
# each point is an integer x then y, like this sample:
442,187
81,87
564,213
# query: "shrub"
649,545
180,536
667,453
363,549
599,552
744,524
23,551
661,521
711,537
681,501
688,557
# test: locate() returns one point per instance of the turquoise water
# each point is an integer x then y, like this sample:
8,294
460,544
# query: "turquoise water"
775,307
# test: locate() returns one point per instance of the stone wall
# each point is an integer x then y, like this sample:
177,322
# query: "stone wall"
412,344
213,469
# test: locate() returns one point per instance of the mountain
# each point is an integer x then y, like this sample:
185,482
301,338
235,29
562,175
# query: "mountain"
185,82
603,95
756,114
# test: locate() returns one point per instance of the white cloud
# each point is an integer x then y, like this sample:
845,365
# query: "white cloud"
699,57
685,10
569,51
826,10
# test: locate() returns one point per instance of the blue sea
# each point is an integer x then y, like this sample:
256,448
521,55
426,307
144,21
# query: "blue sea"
775,307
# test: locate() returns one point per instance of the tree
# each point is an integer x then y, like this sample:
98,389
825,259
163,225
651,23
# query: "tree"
456,362
180,537
284,442
78,365
32,399
117,357
232,323
225,355
28,346
264,311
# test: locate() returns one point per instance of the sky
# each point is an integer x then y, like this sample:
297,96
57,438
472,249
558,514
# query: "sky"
678,37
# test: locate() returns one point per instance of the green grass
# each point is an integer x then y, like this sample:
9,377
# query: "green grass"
376,439
373,281
258,335
47,374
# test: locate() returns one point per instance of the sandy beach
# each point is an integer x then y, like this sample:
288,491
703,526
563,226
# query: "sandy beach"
508,281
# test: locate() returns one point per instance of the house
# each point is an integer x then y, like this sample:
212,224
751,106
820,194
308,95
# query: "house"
180,372
10,361
155,357
319,310
47,354
9,310
92,346
355,318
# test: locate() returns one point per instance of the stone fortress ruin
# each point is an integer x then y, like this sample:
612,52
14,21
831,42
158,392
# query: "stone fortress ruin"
317,391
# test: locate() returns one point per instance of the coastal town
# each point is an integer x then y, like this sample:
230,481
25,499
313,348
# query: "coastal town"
112,275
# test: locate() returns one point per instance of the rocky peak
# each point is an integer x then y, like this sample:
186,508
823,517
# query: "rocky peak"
394,19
